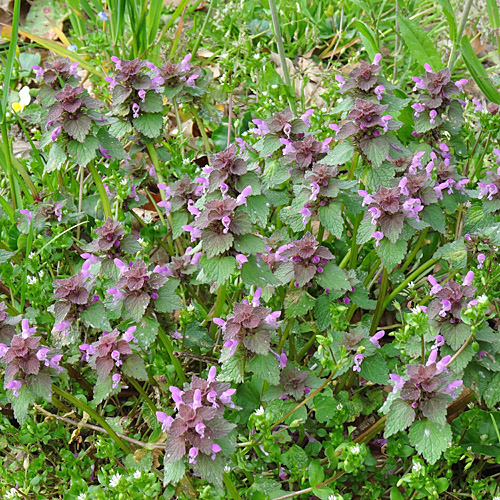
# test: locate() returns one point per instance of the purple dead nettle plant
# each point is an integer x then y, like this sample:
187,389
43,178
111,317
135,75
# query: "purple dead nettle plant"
72,114
283,125
109,352
363,79
250,325
181,267
136,287
225,169
74,296
449,300
181,193
306,257
427,389
437,93
219,223
199,420
7,324
388,208
489,187
177,76
27,362
55,75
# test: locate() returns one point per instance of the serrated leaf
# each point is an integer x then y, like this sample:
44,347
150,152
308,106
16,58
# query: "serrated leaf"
111,144
135,305
375,149
298,303
322,312
257,273
130,244
434,216
146,332
78,128
168,301
233,370
258,209
249,244
333,278
455,334
218,269
331,218
435,408
210,470
361,298
153,103
134,367
40,385
266,368
22,403
216,243
365,231
340,154
375,369
391,254
95,316
400,416
83,152
268,144
491,395
120,94
173,473
295,457
454,252
179,219
56,158
149,124
430,439
102,389
421,47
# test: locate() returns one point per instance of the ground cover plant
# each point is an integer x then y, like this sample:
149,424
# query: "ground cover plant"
248,250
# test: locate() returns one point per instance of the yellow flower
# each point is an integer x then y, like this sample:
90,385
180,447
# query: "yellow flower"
24,100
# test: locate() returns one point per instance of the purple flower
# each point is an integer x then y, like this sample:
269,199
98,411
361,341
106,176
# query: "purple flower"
358,359
14,386
481,258
375,338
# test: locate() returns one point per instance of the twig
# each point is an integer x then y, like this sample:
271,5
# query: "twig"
96,428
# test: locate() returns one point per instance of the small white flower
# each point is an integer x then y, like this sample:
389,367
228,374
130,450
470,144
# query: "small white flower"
115,479
137,474
186,161
31,280
355,450
12,493
123,182
82,496
340,406
483,299
264,93
256,56
227,469
274,86
417,467
259,412
224,55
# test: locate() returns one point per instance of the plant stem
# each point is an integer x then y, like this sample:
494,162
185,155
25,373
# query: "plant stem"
461,28
203,26
201,127
218,307
86,408
354,246
169,348
285,334
142,392
380,303
415,250
231,488
106,207
281,52
180,133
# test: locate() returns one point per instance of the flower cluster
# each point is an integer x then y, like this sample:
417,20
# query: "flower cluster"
225,169
57,73
388,208
182,192
180,267
450,299
489,190
363,79
70,113
438,91
7,324
249,325
179,77
136,286
199,420
109,353
307,257
26,361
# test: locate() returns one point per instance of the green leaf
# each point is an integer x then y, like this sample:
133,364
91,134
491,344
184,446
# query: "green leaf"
168,301
257,273
454,252
395,494
249,244
233,370
249,179
22,403
266,368
455,334
295,457
434,216
325,408
257,208
333,278
316,473
391,254
421,47
134,367
153,103
331,218
268,145
478,72
374,368
365,231
216,243
493,13
368,38
217,269
150,124
40,385
120,94
56,158
375,149
179,219
298,303
78,128
449,13
401,415
83,152
340,154
491,395
130,244
322,312
435,408
373,178
135,305
95,316
210,470
146,332
430,439
111,144
174,472
102,389
360,297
